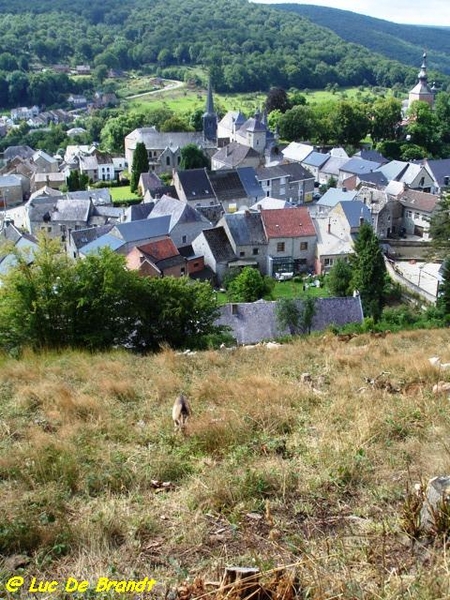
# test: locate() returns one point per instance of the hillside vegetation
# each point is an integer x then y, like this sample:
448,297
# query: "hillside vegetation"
404,43
272,471
246,47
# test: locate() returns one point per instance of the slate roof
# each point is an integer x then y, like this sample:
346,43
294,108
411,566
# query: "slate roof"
150,181
251,323
252,124
335,195
135,231
440,169
248,178
297,152
178,211
22,151
162,140
137,212
418,200
71,210
196,185
219,244
81,237
97,195
373,156
105,241
246,228
393,169
289,222
316,159
375,177
353,212
227,185
232,117
296,172
234,154
359,166
333,165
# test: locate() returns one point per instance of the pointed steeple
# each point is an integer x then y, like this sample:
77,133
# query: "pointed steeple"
422,90
210,117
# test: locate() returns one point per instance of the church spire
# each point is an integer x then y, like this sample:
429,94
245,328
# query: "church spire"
210,117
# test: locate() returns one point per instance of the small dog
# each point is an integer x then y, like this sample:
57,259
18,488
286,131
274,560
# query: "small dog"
181,411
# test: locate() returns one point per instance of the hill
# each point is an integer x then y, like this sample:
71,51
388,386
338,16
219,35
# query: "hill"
245,46
274,470
404,43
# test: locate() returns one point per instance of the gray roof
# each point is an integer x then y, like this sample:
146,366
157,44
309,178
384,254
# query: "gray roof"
137,212
105,241
234,154
246,228
98,196
178,211
393,170
316,159
136,231
161,140
219,244
440,169
251,323
59,209
335,195
359,166
248,178
196,185
354,210
227,185
82,237
296,172
22,151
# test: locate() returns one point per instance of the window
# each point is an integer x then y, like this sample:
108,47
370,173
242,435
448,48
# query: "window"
241,253
416,215
183,239
328,262
196,264
255,251
182,270
280,246
409,214
303,245
168,161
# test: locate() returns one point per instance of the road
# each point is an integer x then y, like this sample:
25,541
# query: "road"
173,85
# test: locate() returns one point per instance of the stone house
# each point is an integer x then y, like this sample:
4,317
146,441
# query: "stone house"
218,254
247,237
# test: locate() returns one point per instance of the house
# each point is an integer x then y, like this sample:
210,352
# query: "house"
418,208
79,238
193,186
11,190
290,182
77,100
195,263
83,69
235,155
44,162
356,166
123,237
253,322
439,171
291,240
98,166
336,232
228,126
314,162
185,221
330,170
297,152
21,151
54,180
218,254
230,190
331,198
414,175
164,149
159,258
247,237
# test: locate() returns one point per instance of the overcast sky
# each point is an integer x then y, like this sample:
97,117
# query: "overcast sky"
416,12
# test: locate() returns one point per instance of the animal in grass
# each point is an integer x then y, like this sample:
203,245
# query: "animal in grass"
181,411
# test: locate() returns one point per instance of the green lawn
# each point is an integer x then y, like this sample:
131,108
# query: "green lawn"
121,194
286,289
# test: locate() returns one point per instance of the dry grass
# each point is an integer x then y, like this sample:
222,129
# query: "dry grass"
272,471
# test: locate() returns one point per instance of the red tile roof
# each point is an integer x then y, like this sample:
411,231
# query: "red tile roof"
287,222
160,249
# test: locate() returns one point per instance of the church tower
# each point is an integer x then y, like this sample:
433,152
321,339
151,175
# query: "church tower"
210,118
422,90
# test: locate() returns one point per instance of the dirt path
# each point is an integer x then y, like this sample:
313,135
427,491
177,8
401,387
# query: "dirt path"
173,85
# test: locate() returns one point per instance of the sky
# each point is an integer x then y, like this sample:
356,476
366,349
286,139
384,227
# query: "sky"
407,12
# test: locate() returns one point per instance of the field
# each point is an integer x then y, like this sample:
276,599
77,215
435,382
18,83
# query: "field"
310,480
122,193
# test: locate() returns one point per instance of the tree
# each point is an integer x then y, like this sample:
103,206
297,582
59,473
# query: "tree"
369,271
249,286
339,278
440,226
193,157
277,99
443,302
385,119
175,123
139,165
297,318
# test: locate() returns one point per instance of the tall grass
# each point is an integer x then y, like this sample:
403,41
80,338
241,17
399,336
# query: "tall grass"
273,469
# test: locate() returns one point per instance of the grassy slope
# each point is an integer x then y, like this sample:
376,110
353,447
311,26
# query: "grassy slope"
271,472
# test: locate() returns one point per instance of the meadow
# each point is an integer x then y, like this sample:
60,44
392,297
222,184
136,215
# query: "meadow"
276,470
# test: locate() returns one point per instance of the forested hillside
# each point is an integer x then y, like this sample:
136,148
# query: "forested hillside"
245,46
404,43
